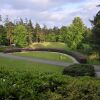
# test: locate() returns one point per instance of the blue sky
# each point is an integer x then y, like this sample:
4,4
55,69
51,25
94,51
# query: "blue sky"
50,12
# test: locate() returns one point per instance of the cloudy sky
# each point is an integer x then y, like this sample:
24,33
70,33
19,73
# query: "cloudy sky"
50,12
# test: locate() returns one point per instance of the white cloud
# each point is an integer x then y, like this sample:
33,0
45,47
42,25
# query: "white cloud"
50,12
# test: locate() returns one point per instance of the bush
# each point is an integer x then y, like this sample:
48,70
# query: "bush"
78,56
26,86
79,70
11,50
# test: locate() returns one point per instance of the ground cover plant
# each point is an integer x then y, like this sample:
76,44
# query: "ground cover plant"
24,80
46,55
15,85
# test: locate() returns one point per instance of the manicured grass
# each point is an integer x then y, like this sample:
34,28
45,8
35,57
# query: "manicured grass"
46,55
21,65
57,45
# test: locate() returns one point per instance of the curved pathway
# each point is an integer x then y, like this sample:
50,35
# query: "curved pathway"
57,63
51,62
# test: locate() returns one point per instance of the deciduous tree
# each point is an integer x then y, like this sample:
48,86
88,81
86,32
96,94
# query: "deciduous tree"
20,36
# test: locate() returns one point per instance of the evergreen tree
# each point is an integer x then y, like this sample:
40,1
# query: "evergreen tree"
3,40
44,33
96,33
9,31
21,22
37,31
63,32
31,35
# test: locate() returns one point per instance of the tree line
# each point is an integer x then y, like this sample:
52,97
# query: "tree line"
23,33
76,36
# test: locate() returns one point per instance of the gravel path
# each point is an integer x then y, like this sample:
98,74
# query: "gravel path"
57,63
51,62
97,70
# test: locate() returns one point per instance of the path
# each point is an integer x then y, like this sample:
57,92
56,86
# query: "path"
51,62
57,63
97,70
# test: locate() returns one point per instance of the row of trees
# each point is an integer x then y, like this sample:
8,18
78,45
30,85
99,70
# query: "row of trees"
24,33
18,33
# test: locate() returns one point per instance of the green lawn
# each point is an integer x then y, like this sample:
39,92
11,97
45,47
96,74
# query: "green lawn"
46,55
57,45
21,65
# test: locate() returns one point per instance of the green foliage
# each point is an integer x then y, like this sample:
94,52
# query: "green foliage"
25,86
20,36
85,48
31,34
79,70
3,40
74,35
37,30
9,26
93,61
96,33
63,33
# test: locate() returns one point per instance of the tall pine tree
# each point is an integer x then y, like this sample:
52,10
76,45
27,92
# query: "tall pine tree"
96,33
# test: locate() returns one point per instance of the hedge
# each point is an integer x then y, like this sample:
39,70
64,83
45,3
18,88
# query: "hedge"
78,56
79,70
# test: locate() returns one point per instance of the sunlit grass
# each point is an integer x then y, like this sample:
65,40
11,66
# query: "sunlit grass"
21,65
57,45
46,55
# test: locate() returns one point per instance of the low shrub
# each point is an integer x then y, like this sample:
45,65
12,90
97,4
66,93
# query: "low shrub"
79,70
78,56
47,86
11,50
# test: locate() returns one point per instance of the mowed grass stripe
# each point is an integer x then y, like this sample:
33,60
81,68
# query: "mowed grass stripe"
21,65
46,55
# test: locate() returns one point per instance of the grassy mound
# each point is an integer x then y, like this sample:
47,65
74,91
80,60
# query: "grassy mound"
57,45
